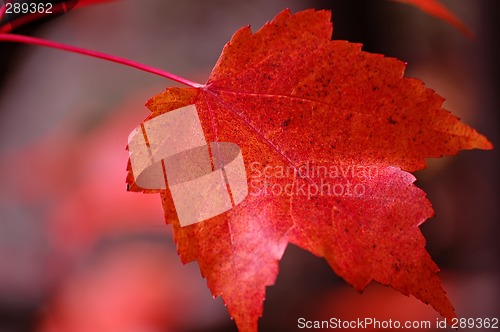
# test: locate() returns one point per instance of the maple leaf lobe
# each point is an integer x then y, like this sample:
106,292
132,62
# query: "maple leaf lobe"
367,89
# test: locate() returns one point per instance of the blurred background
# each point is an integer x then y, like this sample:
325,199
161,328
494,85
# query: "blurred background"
79,253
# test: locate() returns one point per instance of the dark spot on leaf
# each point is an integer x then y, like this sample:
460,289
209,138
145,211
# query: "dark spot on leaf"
286,122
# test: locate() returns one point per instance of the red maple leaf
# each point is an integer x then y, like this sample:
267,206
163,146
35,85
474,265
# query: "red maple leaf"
328,134
435,8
